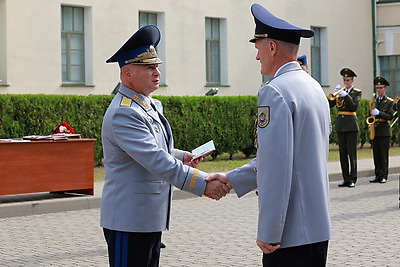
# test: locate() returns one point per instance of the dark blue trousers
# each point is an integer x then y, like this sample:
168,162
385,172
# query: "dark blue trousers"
310,255
133,249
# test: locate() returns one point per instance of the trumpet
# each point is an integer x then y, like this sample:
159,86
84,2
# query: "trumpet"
396,99
334,95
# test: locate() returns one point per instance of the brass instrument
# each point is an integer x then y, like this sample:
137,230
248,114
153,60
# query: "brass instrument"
371,119
334,96
395,120
395,100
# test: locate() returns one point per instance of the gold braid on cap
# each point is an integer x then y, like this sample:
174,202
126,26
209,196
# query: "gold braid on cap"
261,35
145,57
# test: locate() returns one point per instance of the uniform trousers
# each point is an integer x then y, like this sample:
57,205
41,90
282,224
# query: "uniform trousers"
380,148
133,249
310,255
348,155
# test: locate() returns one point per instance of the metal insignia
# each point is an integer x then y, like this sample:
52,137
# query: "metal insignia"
263,116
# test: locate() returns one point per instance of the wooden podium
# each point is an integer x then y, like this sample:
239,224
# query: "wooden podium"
47,166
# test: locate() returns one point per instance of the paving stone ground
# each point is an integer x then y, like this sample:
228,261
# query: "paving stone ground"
365,225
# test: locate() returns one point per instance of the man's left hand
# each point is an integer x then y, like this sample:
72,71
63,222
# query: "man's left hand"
267,248
188,160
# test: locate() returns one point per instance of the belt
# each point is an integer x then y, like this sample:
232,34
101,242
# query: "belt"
347,113
381,120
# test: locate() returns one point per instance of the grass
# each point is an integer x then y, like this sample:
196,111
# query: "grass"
223,164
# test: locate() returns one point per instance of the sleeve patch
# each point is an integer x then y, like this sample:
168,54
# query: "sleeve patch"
263,116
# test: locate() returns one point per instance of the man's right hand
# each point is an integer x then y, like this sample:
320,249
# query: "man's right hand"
217,186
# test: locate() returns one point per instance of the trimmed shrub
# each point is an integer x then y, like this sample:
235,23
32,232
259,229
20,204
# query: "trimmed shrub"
228,120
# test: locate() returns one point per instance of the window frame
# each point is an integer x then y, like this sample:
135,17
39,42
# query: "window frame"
156,19
391,72
67,51
213,60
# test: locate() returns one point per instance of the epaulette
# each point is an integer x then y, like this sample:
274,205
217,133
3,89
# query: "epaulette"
389,98
125,102
356,89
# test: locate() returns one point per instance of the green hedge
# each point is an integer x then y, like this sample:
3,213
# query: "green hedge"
229,121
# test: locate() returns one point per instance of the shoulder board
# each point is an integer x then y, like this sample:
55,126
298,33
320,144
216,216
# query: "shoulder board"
357,90
125,102
388,98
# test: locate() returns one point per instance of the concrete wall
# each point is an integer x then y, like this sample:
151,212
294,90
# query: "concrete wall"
30,42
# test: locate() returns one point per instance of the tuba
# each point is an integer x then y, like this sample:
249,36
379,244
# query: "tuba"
371,119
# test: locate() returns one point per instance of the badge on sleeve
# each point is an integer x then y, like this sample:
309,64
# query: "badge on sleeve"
263,116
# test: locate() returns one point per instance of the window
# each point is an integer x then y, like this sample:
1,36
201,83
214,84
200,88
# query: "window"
316,55
213,54
148,18
73,45
390,69
319,55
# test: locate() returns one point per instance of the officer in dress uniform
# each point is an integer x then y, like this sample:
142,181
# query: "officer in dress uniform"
140,161
290,171
347,102
383,113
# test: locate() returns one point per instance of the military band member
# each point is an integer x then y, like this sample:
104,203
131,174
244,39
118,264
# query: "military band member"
140,161
347,101
303,62
290,171
383,113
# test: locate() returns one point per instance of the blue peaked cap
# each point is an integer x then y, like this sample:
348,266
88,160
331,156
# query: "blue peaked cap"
140,48
267,25
302,60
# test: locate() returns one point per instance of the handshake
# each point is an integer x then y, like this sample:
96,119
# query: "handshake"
217,183
217,186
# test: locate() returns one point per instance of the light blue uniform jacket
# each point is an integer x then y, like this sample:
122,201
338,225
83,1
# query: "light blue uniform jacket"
290,170
141,165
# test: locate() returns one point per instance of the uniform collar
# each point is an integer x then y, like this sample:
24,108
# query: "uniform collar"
289,66
140,99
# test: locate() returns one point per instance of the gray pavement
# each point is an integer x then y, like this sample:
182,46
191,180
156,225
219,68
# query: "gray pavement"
63,230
